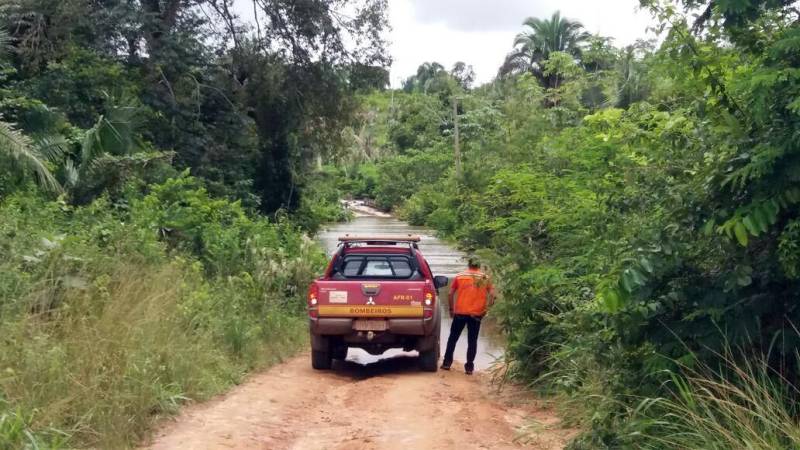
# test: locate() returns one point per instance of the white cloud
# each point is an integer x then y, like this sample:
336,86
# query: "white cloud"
472,15
481,32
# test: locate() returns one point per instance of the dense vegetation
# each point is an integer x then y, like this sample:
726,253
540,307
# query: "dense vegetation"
112,318
639,208
157,184
161,164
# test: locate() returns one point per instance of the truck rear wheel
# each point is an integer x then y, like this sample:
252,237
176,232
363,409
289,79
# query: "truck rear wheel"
429,360
321,360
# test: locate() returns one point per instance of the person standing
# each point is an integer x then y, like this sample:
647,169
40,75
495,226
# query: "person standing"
471,295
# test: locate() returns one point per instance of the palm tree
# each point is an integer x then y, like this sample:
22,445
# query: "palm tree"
533,46
111,152
633,84
30,154
429,75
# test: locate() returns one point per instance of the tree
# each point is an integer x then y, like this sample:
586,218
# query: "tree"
293,78
112,152
633,84
464,74
427,79
30,154
599,54
543,36
246,109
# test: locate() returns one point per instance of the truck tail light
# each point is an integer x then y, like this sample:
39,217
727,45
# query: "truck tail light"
313,300
429,300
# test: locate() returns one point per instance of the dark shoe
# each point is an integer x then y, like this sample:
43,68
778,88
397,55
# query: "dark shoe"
468,371
445,366
468,368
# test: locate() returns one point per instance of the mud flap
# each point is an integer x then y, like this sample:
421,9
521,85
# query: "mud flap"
427,343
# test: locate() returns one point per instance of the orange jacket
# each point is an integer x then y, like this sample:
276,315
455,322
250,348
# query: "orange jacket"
473,289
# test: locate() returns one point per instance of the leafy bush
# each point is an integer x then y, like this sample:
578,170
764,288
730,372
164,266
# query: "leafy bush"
361,183
402,176
319,203
633,246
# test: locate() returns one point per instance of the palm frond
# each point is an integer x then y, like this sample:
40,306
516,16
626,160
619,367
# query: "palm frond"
92,145
114,132
71,173
26,152
52,147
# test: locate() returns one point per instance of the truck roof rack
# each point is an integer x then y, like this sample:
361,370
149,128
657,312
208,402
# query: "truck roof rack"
349,241
381,239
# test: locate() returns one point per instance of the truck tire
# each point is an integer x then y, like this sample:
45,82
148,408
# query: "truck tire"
429,360
321,360
340,352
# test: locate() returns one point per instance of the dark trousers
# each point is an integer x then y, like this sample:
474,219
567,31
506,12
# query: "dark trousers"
473,325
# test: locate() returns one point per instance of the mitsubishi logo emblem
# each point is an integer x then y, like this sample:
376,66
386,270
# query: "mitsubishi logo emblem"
370,301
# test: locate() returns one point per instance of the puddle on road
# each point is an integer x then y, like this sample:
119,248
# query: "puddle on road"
444,260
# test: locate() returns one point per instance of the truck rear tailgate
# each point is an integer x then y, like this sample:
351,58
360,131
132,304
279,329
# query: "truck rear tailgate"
358,298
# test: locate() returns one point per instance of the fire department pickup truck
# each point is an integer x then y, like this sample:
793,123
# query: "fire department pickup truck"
378,292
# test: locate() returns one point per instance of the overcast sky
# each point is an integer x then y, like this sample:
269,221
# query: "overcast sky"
481,32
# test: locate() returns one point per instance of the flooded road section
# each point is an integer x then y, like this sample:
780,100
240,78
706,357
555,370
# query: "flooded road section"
443,259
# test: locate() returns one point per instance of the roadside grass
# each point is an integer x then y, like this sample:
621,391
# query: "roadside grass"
117,356
745,404
739,403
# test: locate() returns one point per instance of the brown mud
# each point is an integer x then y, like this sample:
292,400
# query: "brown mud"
388,404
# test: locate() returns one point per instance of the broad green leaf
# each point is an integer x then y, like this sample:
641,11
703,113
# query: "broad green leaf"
744,280
762,219
646,265
708,228
611,300
772,209
741,234
627,281
751,226
638,277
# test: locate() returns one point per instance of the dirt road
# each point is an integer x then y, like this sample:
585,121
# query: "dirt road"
371,402
384,405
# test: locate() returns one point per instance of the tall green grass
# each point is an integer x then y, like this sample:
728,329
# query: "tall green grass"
743,404
738,402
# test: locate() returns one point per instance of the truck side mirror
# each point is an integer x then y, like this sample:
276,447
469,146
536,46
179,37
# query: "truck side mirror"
440,281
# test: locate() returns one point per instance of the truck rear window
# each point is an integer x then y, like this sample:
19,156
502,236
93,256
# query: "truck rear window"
376,266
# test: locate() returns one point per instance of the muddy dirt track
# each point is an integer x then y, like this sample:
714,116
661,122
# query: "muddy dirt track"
388,404
370,402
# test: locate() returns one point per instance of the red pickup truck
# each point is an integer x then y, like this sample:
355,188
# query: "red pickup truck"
377,293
